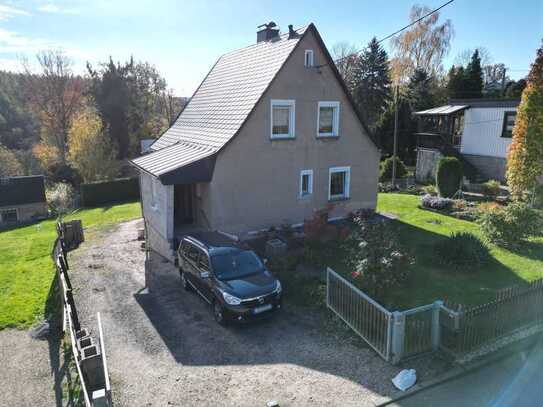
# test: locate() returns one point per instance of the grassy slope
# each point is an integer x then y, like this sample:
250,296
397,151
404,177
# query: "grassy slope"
26,271
419,229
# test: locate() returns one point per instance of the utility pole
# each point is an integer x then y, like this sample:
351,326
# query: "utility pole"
395,148
503,81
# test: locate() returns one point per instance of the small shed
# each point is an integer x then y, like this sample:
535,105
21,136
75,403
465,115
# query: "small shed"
22,199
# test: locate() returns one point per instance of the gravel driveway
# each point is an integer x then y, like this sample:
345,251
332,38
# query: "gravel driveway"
164,348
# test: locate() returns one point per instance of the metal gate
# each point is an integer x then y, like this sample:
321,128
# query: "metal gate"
365,316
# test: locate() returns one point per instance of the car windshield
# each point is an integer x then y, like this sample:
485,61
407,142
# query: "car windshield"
235,264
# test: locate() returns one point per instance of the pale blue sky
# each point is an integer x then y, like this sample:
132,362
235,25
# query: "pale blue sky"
184,38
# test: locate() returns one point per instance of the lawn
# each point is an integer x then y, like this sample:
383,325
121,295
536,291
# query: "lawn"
26,270
419,230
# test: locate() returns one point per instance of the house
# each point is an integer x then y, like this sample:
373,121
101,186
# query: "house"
270,136
477,131
22,199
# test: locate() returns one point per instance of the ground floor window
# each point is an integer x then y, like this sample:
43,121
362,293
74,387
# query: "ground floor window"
339,183
9,215
306,183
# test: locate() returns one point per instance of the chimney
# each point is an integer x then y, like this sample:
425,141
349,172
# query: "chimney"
291,33
267,32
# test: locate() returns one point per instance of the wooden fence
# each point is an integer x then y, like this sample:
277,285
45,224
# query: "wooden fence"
89,357
513,310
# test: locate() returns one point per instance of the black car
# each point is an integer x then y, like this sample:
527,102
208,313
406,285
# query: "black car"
229,276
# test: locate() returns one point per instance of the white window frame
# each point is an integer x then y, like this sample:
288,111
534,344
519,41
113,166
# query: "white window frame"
335,119
309,58
309,173
347,188
291,104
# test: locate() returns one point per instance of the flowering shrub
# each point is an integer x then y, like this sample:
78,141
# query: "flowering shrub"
60,198
378,261
436,202
491,188
509,225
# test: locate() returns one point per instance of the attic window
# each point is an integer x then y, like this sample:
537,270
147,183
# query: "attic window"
308,58
282,119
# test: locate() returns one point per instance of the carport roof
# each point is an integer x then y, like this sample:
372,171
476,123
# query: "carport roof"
442,110
170,158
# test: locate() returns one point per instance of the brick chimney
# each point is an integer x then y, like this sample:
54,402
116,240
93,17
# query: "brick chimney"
267,32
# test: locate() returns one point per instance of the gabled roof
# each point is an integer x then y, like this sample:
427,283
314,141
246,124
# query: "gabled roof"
16,191
222,103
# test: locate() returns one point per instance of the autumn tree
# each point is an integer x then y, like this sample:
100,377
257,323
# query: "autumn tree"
9,164
371,82
345,56
55,94
525,156
422,46
91,153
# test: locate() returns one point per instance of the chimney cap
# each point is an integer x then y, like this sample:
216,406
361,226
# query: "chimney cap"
269,25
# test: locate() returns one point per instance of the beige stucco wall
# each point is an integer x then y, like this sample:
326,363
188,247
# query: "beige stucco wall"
256,180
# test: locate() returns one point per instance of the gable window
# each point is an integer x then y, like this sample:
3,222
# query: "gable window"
306,183
508,123
282,118
339,183
328,119
308,58
9,215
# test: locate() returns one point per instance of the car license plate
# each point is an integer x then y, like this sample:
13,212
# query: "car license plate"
262,308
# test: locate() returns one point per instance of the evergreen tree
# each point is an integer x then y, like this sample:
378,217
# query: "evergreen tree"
473,83
456,83
371,82
420,92
525,156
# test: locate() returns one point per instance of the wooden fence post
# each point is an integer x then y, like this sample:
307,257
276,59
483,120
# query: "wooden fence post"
398,336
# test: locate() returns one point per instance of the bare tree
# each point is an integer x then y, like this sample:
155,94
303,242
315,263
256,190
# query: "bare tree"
345,55
423,46
464,58
55,94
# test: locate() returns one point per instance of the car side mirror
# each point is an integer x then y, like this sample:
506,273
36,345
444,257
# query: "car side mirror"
204,274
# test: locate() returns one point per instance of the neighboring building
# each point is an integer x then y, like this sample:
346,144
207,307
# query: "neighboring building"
22,199
478,131
270,136
145,145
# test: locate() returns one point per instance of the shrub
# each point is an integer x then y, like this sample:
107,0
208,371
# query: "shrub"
509,225
448,176
119,190
60,198
463,251
491,188
436,202
385,172
377,258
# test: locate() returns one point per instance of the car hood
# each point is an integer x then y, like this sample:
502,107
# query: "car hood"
251,286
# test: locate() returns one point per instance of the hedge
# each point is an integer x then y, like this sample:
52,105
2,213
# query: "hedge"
105,192
448,176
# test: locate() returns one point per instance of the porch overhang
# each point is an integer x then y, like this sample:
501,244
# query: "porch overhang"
446,110
181,163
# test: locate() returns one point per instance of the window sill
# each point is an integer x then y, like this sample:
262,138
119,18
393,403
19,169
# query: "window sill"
338,198
282,138
305,197
327,136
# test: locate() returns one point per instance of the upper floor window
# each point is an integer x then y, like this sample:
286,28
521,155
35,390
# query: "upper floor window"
308,58
339,183
306,183
328,119
282,118
508,123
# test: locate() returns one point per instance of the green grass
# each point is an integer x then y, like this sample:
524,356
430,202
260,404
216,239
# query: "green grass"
420,229
26,270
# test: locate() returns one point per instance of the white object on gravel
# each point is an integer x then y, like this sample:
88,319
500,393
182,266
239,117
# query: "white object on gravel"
405,379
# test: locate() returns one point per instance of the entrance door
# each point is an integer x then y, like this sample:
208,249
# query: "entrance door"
183,205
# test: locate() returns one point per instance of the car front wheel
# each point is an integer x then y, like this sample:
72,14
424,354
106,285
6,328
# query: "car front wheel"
184,281
218,313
